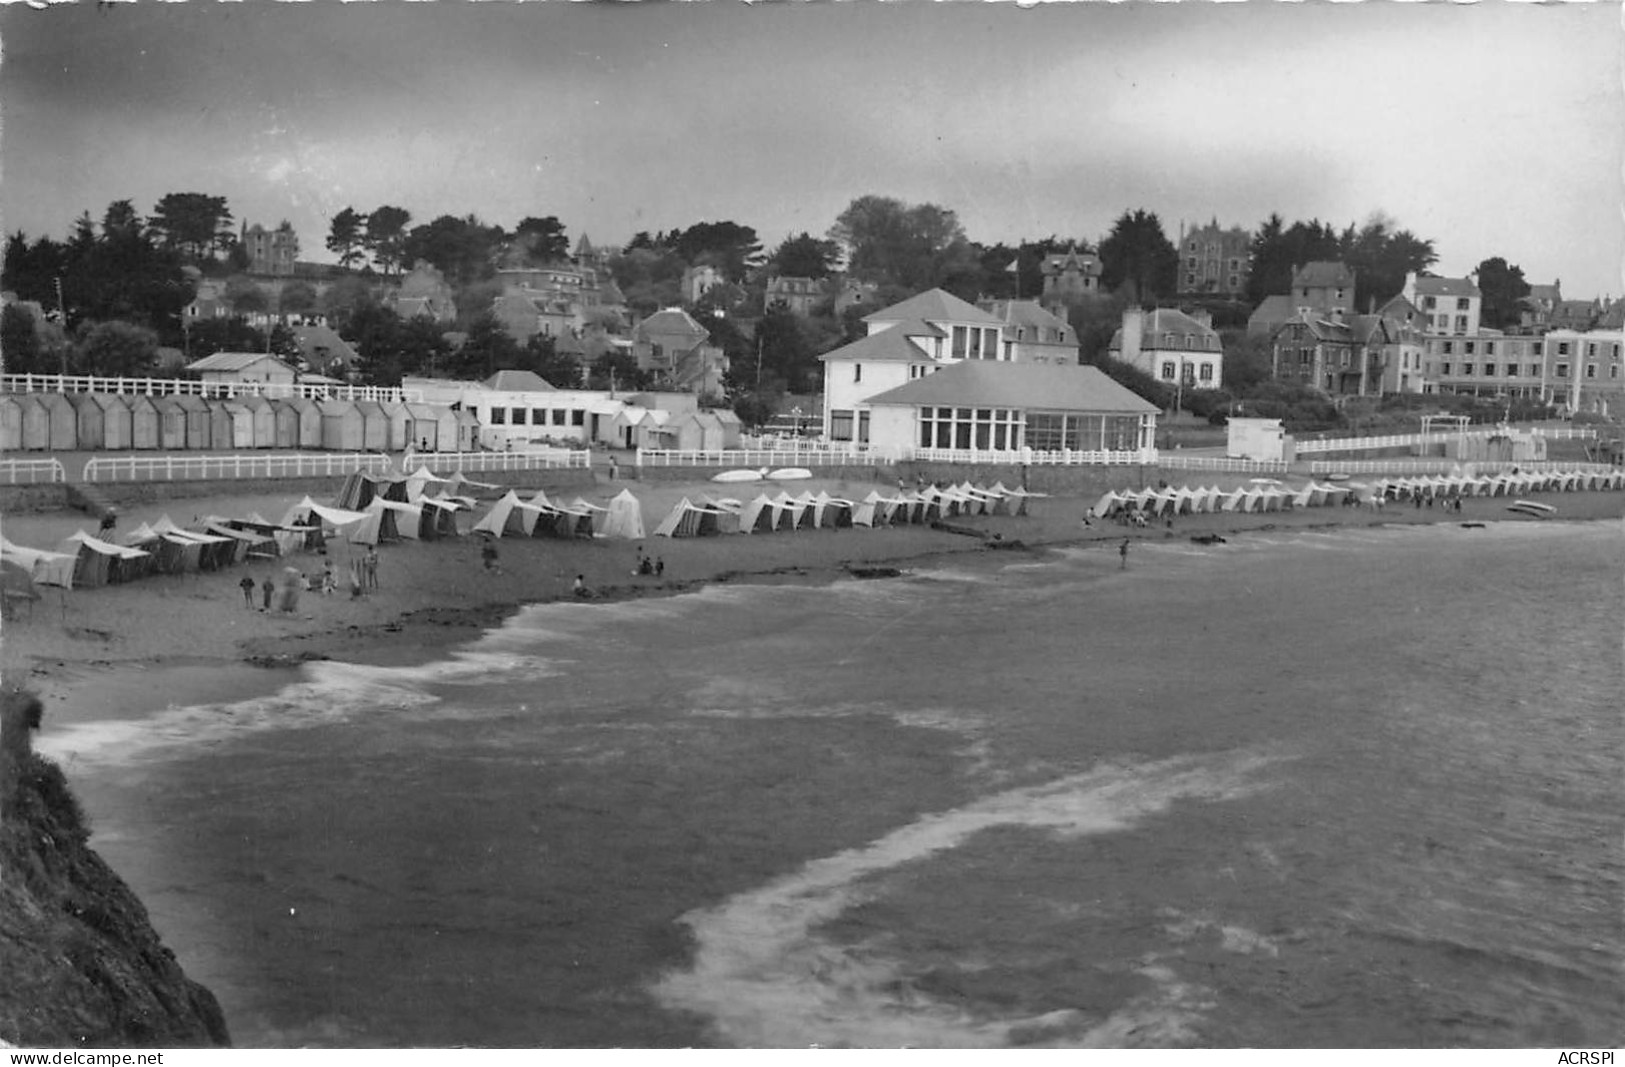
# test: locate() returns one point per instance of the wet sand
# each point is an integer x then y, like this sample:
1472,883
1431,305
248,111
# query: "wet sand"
100,645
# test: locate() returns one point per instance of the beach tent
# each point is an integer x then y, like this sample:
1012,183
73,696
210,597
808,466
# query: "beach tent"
285,424
11,424
144,421
44,568
310,421
624,518
89,417
262,422
171,553
318,521
360,488
199,424
116,427
249,543
466,486
99,562
832,511
728,512
213,552
387,520
36,423
439,518
343,428
63,425
799,510
874,510
423,427
687,519
763,515
508,516
1108,505
419,480
171,422
586,519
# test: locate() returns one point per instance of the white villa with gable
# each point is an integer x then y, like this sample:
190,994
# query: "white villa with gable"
933,373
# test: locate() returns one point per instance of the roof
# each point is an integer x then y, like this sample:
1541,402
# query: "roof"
311,338
890,344
1446,287
230,361
1056,262
669,321
1321,273
1550,294
1322,328
933,305
1271,313
1164,321
1040,386
1025,313
518,381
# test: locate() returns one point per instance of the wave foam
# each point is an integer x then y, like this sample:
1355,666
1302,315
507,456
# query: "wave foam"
765,977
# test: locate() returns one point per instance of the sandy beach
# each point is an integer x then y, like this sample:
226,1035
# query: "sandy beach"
433,593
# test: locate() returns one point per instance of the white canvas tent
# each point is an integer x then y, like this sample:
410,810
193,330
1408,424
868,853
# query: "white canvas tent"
625,517
46,568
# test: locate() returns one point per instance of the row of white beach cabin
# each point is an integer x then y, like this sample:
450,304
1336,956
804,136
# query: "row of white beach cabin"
66,422
807,511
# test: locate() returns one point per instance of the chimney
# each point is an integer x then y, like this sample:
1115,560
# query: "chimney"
1133,327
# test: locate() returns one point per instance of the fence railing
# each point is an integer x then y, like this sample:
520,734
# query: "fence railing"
759,457
1175,461
79,383
1439,465
538,460
1358,444
31,471
172,468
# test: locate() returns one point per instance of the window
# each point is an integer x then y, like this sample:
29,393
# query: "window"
1591,349
1560,370
1444,368
1235,264
1591,370
1466,370
517,416
558,417
538,417
1613,371
1191,263
1562,348
578,417
1461,323
1461,303
1489,370
863,427
1206,373
1168,371
1534,370
975,345
1467,347
840,425
499,416
1190,279
857,372
1447,347
960,342
1428,303
1489,348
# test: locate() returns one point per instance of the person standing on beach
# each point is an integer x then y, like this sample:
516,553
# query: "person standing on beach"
1122,555
247,586
660,566
267,588
370,568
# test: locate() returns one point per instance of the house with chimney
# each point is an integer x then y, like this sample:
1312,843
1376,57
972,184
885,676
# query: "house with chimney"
1032,334
671,345
1173,346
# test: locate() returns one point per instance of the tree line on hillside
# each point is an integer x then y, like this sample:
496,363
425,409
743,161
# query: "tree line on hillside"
116,290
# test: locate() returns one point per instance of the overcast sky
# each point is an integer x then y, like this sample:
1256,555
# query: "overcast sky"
1494,128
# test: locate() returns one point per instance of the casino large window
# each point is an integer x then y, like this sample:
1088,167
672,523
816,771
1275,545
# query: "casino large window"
1052,431
979,428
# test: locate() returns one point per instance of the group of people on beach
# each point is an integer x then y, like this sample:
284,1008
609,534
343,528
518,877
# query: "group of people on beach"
363,580
647,567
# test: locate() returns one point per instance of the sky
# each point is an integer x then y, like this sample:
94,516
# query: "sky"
1493,128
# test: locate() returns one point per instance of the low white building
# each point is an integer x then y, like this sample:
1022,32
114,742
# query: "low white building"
996,406
518,410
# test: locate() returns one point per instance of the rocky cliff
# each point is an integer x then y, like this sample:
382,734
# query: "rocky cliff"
80,964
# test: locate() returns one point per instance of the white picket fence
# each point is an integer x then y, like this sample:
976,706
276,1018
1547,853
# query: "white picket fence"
1406,440
1440,465
176,468
758,457
1175,461
31,471
535,460
184,467
78,383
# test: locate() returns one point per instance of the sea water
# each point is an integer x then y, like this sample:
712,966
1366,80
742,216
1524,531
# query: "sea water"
1360,787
